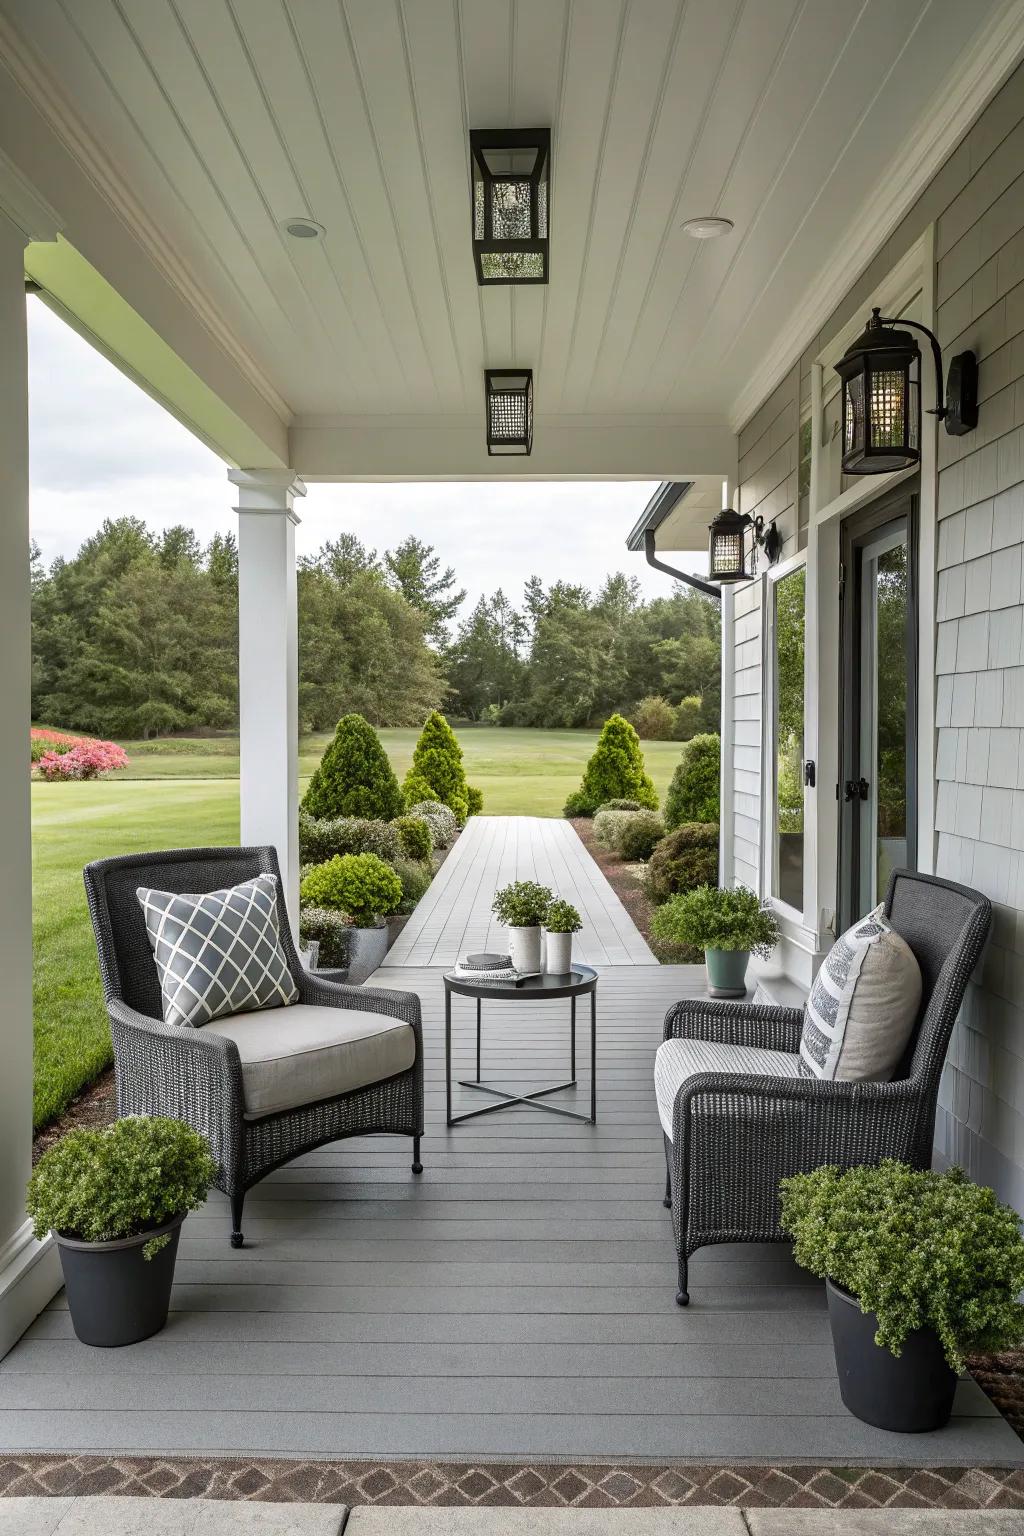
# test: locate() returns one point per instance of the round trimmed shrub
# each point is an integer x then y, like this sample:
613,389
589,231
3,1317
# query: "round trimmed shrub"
441,821
638,834
320,839
577,804
654,718
620,805
616,770
686,858
710,917
474,799
415,877
437,764
694,791
117,1181
354,777
607,825
331,930
414,837
360,884
689,717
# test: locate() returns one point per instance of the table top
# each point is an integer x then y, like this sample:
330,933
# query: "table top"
580,980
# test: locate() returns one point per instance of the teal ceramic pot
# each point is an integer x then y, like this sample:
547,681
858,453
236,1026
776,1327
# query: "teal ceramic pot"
727,971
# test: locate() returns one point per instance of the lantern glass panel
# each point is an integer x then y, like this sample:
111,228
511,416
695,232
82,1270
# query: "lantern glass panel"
726,554
853,415
510,413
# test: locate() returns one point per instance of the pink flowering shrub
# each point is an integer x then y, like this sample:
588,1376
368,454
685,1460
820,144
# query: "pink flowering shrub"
86,759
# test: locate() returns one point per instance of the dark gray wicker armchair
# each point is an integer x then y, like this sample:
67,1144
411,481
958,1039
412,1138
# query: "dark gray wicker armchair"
734,1135
195,1075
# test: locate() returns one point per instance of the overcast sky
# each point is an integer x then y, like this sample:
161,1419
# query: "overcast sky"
101,448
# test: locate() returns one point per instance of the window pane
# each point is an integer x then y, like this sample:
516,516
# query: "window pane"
788,882
891,602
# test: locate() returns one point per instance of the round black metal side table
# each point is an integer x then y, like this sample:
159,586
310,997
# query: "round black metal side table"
581,981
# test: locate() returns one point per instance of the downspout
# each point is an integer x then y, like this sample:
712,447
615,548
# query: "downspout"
670,570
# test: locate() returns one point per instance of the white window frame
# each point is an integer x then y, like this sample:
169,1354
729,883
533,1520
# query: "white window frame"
791,918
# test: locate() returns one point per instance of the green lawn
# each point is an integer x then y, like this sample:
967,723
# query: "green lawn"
181,793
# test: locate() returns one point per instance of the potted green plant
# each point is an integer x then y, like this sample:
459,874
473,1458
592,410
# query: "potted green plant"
369,890
920,1268
522,908
561,921
114,1200
728,925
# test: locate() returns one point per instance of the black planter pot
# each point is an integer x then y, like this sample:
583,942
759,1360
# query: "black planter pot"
911,1394
116,1295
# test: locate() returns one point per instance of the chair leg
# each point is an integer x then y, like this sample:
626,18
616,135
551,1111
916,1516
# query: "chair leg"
682,1295
417,1166
237,1201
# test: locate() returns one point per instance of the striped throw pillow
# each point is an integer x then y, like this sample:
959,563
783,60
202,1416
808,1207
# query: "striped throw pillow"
863,1005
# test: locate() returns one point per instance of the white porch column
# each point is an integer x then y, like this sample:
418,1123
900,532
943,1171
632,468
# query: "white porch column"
268,667
29,1271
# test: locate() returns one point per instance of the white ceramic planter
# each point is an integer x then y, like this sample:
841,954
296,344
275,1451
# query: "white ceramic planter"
558,953
368,948
524,947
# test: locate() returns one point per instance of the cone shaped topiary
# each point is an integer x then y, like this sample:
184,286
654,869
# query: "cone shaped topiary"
615,772
354,776
437,772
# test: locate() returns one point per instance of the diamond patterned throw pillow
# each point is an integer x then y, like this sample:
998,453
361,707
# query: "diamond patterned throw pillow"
219,953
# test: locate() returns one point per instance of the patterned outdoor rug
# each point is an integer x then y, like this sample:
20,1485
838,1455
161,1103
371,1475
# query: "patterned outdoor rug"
590,1486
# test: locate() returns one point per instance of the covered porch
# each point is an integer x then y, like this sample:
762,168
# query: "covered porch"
155,163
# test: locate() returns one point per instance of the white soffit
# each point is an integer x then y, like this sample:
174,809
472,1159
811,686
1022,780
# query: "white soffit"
213,123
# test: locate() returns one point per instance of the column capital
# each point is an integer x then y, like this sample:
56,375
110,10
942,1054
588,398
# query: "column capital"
267,490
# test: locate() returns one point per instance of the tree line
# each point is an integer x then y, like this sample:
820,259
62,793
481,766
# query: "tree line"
137,635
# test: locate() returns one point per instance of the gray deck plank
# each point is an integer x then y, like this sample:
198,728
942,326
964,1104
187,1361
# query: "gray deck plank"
517,1299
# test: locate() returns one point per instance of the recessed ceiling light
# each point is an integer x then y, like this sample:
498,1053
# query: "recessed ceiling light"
303,229
709,227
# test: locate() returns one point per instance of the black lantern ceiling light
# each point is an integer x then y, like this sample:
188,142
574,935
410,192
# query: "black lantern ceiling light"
508,393
511,213
727,559
881,374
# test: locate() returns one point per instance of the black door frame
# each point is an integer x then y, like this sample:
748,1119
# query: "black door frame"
857,531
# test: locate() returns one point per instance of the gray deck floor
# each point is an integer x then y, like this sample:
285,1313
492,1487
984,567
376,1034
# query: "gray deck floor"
516,1300
454,917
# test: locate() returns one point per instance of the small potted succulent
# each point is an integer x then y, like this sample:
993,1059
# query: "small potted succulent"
368,890
561,921
920,1269
728,925
114,1200
522,908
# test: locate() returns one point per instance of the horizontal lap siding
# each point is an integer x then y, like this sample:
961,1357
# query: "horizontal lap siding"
976,202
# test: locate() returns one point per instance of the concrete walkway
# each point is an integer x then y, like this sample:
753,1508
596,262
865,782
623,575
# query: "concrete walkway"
454,918
208,1517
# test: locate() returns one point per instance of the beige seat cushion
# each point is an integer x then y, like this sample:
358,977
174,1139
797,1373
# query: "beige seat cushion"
295,1056
679,1060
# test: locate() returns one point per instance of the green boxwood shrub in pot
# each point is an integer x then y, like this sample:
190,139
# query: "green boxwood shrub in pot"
367,889
921,1268
728,925
561,921
522,908
115,1199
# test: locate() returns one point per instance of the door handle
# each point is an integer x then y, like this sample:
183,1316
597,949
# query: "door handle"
856,789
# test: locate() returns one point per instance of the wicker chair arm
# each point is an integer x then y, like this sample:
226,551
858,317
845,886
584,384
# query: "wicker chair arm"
193,1075
766,1026
818,1105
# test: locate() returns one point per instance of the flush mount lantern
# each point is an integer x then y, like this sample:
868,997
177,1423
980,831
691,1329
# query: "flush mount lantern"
727,559
509,398
881,374
511,184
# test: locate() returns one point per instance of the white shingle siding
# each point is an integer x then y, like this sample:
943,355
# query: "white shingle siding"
977,203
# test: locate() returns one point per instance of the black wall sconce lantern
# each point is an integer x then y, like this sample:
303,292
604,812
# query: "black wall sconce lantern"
881,374
727,560
509,397
511,209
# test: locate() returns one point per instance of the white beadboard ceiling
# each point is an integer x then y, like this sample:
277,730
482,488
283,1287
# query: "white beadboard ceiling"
224,117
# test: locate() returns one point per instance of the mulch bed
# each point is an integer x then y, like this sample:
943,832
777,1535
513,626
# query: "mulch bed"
95,1105
625,885
616,1485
